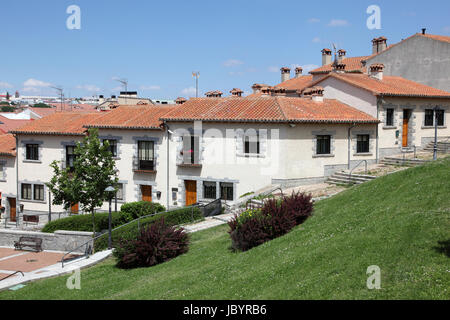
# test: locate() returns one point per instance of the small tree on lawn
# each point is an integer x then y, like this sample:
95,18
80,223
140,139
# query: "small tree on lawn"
85,183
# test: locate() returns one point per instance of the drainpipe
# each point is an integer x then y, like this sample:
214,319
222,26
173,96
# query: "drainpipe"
349,144
167,163
17,182
379,103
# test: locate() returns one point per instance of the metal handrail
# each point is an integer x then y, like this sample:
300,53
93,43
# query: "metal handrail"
12,275
351,171
87,251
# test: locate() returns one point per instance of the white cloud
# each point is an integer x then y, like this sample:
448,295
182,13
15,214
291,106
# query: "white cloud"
273,69
36,83
316,40
5,85
150,87
308,67
189,91
232,63
89,87
31,90
313,20
338,23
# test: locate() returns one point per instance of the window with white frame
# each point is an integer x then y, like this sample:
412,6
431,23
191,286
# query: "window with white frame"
38,194
26,191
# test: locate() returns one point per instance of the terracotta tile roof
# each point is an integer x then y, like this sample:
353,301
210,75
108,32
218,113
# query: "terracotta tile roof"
436,37
7,145
11,124
389,86
296,83
43,112
267,109
60,123
134,117
352,64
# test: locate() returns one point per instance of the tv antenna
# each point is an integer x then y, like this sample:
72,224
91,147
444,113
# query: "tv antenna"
124,82
60,90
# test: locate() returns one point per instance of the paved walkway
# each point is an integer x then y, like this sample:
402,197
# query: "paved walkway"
39,265
209,222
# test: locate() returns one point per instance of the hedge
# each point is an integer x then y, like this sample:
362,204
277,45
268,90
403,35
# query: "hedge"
83,222
174,217
128,212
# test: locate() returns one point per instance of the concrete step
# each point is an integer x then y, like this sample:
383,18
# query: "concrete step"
355,175
333,180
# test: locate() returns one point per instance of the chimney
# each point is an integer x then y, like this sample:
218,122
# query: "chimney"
101,99
285,74
424,30
266,90
339,67
326,56
180,100
341,55
236,92
214,94
379,45
317,94
298,72
376,71
113,97
257,87
382,44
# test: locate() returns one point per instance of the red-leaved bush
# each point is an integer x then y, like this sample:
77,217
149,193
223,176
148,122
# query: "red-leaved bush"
155,244
276,218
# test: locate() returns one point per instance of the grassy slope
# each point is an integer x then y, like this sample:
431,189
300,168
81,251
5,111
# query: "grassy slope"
394,222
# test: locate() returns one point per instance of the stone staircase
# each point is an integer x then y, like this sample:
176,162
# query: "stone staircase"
442,147
344,178
404,162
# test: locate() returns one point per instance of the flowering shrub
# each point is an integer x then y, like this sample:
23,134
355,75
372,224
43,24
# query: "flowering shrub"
276,218
155,244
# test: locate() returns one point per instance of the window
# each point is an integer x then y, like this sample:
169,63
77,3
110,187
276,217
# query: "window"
440,117
362,143
146,155
32,152
119,193
323,145
70,157
251,144
429,117
38,192
389,117
209,190
26,191
226,191
190,150
112,146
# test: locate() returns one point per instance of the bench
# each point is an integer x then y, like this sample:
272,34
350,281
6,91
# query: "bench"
29,242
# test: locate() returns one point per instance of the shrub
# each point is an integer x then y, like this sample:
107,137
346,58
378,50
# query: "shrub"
134,210
156,243
131,231
276,218
298,205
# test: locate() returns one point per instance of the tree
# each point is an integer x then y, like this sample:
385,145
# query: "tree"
85,183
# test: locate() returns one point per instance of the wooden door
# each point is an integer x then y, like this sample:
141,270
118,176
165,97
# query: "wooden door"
74,208
12,209
146,192
191,192
405,129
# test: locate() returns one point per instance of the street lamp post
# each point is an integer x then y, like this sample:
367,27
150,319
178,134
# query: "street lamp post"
109,191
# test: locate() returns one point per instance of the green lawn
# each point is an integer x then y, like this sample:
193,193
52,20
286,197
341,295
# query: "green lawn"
396,222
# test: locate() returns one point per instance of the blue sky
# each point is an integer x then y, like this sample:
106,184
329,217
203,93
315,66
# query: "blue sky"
157,44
